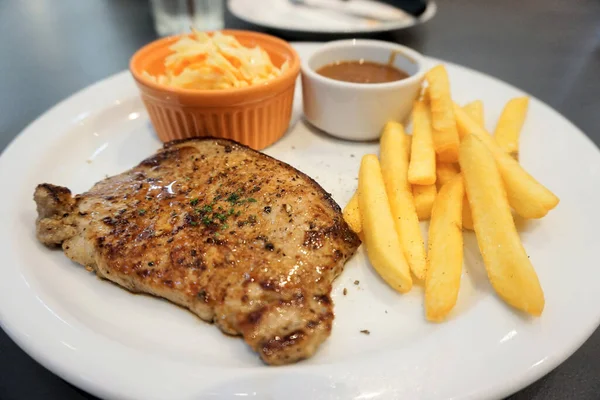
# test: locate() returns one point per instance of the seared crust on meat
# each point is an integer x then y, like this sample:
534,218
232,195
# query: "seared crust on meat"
239,238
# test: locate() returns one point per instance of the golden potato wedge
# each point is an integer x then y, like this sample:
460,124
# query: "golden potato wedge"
351,214
475,110
528,197
394,168
424,196
425,95
510,123
445,255
508,267
445,173
421,170
445,132
467,218
380,237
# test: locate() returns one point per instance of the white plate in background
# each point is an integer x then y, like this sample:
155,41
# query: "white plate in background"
118,345
285,16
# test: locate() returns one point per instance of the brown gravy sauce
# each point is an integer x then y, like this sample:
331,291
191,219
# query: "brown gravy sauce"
361,71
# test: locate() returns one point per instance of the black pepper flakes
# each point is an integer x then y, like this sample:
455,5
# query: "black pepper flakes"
365,331
267,209
345,291
356,282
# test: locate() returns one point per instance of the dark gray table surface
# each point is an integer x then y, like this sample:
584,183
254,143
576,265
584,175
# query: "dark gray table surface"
550,48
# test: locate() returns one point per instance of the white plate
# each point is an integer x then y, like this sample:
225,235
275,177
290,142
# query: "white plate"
283,15
115,344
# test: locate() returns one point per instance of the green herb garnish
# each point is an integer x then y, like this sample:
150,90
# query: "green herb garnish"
251,200
193,202
233,197
141,211
220,217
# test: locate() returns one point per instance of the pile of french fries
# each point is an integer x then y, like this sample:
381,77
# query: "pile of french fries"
455,174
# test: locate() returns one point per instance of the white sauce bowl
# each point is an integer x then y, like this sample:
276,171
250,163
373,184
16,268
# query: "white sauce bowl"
358,111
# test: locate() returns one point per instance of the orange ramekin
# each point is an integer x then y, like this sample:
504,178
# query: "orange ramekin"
256,115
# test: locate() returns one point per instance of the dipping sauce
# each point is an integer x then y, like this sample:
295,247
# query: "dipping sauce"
362,71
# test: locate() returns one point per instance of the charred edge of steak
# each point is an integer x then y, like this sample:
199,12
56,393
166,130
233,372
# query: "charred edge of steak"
277,344
52,200
315,239
230,145
55,206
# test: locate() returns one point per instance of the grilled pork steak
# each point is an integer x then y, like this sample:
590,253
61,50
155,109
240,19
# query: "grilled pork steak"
237,237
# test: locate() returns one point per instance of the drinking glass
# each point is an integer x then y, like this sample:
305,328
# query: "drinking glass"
172,17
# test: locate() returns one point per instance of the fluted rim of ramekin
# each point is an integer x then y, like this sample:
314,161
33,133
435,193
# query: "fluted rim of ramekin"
289,74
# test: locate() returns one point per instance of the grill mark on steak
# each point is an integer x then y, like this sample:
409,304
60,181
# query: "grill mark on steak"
239,238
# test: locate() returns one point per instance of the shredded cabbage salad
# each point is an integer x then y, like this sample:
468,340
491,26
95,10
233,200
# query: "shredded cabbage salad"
215,62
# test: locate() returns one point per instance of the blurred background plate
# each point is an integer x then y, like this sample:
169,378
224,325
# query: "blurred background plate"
286,15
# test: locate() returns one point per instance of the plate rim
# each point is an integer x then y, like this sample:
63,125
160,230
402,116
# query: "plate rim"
36,350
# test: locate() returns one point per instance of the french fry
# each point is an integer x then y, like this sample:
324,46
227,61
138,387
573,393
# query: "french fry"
394,169
421,170
445,132
424,196
351,214
425,95
510,123
467,218
445,173
445,255
380,237
508,267
475,110
528,197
